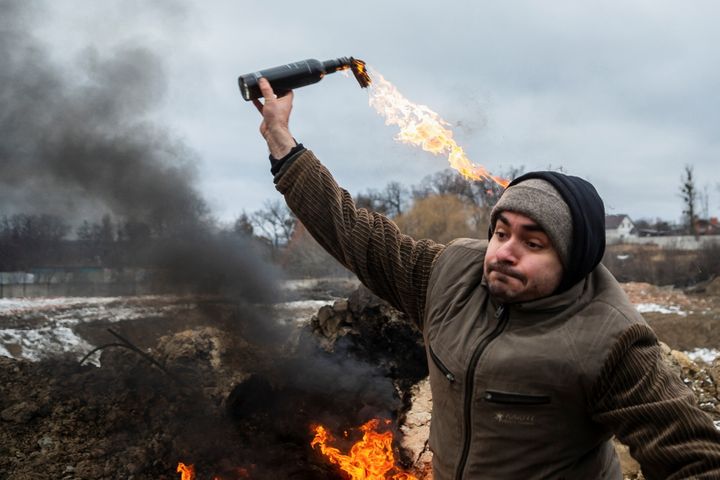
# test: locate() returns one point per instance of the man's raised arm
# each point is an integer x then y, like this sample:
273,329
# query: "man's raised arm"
392,265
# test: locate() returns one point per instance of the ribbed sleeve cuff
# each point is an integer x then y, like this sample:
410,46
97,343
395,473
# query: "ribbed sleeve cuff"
276,164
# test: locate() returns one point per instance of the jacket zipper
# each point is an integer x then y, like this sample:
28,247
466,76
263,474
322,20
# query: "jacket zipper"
445,371
503,316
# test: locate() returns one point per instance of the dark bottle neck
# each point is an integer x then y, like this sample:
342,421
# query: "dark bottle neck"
330,66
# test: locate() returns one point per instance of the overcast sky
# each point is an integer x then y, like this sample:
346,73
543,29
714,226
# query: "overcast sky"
622,93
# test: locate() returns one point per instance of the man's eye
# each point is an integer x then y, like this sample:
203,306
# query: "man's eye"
500,234
534,245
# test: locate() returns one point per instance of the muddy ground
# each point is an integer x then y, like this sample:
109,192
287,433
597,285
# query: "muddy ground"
685,320
130,419
234,389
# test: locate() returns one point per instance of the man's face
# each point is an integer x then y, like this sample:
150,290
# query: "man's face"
521,264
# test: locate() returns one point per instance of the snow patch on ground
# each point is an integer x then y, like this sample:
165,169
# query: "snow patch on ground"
304,283
301,304
298,312
38,343
12,305
655,308
37,328
706,355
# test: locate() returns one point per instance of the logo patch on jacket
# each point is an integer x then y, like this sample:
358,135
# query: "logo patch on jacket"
514,418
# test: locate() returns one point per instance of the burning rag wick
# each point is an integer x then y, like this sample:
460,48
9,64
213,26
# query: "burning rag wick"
422,127
359,69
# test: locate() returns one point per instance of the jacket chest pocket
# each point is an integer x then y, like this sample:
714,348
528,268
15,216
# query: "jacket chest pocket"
519,413
512,398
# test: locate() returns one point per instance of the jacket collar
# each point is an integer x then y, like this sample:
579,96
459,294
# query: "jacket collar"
546,307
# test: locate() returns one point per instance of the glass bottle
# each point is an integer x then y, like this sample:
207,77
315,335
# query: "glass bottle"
295,75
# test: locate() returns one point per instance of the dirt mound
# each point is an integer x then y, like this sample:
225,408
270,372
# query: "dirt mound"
126,419
713,288
374,331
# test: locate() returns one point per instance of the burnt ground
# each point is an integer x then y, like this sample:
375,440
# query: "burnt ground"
129,419
234,397
236,394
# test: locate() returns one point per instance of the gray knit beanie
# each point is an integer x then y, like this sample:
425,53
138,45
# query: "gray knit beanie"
540,201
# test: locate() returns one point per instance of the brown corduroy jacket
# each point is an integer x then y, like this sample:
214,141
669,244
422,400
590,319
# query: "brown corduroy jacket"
529,391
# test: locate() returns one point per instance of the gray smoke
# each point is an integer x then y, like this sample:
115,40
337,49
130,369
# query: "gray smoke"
78,141
73,136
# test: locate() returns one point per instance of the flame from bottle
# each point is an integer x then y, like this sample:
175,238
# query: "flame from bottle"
420,126
371,458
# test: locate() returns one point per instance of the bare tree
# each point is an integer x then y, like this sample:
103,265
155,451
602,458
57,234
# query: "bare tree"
243,225
98,240
134,232
30,240
688,193
704,200
391,201
395,197
276,221
370,200
106,233
444,182
479,193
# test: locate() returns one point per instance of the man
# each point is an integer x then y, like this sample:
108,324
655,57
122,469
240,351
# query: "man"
536,355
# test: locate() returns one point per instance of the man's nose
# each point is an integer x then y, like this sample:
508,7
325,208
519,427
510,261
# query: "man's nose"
507,252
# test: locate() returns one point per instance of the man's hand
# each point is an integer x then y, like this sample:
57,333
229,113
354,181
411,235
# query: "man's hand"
276,116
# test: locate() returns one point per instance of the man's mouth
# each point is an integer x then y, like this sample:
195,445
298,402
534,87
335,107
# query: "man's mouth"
507,271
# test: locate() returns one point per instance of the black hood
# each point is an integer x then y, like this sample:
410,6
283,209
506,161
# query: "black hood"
588,220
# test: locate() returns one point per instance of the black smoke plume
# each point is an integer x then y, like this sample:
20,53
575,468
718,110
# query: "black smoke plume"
78,140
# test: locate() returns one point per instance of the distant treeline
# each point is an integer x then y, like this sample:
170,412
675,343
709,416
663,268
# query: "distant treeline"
442,207
40,240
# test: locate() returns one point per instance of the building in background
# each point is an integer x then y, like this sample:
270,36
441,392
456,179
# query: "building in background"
709,226
618,228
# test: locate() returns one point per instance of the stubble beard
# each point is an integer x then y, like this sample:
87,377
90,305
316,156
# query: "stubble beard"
500,287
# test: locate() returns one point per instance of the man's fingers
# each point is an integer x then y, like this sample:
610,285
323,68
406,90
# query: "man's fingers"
258,105
266,89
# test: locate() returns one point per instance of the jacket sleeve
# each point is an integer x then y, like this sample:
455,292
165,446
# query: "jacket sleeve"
393,265
650,410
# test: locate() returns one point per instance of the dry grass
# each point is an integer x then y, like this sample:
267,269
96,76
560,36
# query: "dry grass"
658,266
